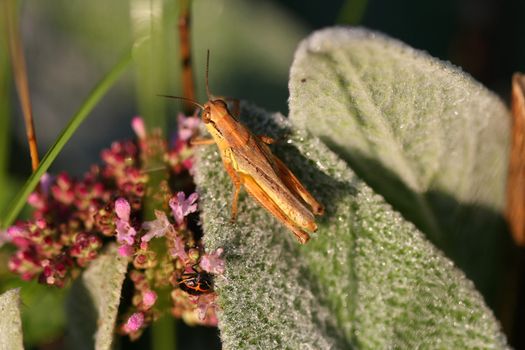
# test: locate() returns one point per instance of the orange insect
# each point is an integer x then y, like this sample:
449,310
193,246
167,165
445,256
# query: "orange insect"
250,163
196,283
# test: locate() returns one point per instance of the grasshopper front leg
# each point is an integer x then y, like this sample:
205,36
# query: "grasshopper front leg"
201,141
267,139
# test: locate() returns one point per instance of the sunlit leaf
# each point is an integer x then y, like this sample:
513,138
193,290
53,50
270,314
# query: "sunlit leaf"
367,279
419,131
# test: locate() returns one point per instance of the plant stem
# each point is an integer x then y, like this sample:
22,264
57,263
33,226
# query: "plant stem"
188,84
18,63
5,109
149,54
164,335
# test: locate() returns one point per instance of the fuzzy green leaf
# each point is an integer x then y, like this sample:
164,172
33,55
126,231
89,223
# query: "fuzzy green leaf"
38,325
10,322
419,131
93,302
367,279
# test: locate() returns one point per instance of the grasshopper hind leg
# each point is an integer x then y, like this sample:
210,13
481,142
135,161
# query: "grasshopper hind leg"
237,184
255,190
294,185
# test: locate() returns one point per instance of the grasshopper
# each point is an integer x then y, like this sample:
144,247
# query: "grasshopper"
250,163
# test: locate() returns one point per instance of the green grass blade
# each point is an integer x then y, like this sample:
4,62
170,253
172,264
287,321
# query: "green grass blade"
94,97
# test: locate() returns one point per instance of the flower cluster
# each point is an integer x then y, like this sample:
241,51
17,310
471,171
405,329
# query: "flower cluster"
181,264
136,198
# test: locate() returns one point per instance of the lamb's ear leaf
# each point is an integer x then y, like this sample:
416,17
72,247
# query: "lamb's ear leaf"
420,132
93,302
367,279
10,322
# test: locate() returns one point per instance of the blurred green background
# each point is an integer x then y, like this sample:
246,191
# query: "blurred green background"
71,44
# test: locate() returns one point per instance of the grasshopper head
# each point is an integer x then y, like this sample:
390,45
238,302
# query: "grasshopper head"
214,110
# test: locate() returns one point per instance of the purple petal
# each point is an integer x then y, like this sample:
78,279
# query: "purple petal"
156,228
137,124
135,322
125,233
213,263
178,250
126,250
187,126
192,199
149,298
123,209
35,200
15,232
45,183
182,207
206,302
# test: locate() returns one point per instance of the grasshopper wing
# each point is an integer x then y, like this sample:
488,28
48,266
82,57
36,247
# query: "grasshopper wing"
255,161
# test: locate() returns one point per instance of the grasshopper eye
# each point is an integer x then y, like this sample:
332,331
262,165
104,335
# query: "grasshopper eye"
206,115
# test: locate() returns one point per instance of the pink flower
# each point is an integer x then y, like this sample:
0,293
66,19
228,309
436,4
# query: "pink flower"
187,126
213,263
125,233
149,298
138,126
85,248
62,189
156,228
178,250
4,238
19,236
45,183
206,305
181,207
38,199
126,250
134,322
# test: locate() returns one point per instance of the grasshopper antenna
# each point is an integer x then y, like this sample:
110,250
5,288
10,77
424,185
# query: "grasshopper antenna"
184,99
207,69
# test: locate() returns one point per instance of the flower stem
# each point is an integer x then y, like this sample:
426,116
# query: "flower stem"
164,334
20,74
5,117
188,84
